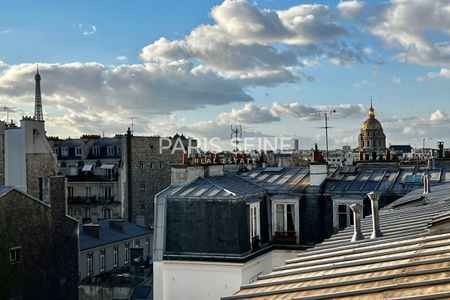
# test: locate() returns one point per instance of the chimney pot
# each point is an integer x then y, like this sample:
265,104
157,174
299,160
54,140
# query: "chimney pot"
357,233
116,224
374,198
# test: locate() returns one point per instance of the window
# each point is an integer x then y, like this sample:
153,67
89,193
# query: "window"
87,191
106,213
70,191
117,150
14,254
87,212
90,266
345,216
96,150
147,244
137,243
78,151
56,150
141,165
285,216
64,151
116,256
127,248
254,220
102,260
110,150
107,193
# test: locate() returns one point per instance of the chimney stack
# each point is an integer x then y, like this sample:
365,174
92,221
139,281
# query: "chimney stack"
374,198
426,183
440,145
357,233
92,230
116,224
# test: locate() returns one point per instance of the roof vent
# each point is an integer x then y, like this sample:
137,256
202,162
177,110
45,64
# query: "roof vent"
357,233
374,198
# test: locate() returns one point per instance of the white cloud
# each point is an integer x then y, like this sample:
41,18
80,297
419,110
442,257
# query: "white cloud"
89,30
444,73
438,116
396,80
249,114
5,31
406,26
350,9
121,58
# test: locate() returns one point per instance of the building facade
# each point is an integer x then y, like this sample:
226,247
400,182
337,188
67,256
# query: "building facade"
39,244
92,165
112,245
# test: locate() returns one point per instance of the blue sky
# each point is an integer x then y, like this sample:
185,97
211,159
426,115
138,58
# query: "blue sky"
198,66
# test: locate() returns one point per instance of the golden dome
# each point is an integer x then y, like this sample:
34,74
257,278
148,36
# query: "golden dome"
371,123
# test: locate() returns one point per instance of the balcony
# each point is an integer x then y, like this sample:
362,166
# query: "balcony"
93,178
285,237
92,200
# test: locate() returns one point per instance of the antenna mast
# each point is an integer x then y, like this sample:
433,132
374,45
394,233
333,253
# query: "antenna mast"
236,132
325,114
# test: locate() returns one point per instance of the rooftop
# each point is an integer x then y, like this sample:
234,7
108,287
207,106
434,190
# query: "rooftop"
109,235
407,262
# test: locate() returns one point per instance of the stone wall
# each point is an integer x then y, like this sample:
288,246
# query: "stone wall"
150,173
48,267
39,165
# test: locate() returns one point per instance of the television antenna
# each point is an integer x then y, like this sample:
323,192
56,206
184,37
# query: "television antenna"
325,114
236,133
8,110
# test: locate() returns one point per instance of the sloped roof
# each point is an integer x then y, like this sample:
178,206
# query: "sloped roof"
405,263
109,235
227,186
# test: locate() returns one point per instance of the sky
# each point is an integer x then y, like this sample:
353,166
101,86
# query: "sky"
196,67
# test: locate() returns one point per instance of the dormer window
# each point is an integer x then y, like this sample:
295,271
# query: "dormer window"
64,151
78,151
96,150
110,151
56,150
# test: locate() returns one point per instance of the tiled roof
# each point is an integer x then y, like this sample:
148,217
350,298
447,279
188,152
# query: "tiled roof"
405,263
110,236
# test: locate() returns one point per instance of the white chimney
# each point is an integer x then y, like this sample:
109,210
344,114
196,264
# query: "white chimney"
374,197
318,173
426,183
357,233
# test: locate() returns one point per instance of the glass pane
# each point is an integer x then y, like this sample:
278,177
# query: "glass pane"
280,217
290,217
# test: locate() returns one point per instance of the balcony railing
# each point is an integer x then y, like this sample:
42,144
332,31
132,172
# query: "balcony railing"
285,237
94,200
91,177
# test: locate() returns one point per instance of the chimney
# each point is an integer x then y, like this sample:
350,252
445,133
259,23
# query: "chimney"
374,198
426,183
116,224
92,230
440,145
183,175
357,233
53,191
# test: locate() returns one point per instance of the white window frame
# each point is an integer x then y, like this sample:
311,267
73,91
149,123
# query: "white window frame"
285,202
64,151
77,151
110,151
102,260
116,256
343,201
127,252
90,264
96,151
107,213
255,224
14,254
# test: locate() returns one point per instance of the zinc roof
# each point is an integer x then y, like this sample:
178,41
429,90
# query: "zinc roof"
406,262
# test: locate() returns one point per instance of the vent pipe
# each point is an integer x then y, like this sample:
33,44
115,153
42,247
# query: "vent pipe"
357,233
426,184
374,198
